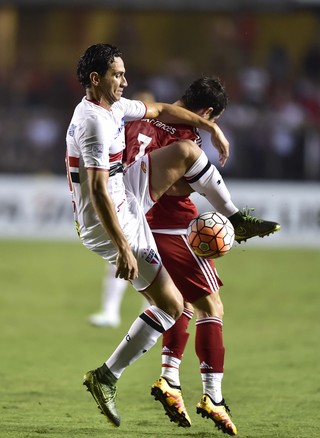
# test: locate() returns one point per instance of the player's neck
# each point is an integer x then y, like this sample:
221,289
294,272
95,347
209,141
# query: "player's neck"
94,97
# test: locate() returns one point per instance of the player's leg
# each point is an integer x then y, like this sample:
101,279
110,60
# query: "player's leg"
141,336
149,326
167,388
167,306
174,342
185,158
209,322
200,285
210,351
113,290
199,279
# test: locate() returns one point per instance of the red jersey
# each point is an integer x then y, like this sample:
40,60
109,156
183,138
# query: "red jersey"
143,136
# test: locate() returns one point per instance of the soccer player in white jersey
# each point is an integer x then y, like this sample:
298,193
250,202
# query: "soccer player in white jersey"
110,217
114,289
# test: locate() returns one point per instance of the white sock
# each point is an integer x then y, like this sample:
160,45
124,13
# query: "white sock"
205,179
142,335
211,383
171,371
112,295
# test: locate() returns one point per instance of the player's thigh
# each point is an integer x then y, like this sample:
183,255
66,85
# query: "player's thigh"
164,294
194,276
209,305
169,164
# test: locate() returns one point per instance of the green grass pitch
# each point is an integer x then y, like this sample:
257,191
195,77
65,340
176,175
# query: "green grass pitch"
271,334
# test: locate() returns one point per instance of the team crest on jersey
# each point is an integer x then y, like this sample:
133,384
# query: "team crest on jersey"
120,128
71,130
143,167
151,256
97,150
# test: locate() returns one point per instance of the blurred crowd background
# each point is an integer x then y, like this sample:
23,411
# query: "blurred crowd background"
268,60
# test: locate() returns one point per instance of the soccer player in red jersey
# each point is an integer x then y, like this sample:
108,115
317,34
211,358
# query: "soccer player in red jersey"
195,277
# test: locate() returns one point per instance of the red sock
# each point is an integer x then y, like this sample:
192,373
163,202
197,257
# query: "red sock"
209,344
174,342
175,339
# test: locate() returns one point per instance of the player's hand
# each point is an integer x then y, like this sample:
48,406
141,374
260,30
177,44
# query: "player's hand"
127,266
221,144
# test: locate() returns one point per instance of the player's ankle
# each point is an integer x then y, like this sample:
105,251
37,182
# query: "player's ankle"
236,218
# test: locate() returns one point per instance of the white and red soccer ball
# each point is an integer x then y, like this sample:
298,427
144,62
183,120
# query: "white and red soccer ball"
210,235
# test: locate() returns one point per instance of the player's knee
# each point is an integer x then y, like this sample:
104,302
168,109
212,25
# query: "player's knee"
218,307
174,308
165,295
220,311
187,150
209,306
179,309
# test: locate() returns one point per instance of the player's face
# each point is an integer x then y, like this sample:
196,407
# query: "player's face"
113,82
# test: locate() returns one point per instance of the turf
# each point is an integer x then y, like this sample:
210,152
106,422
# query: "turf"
271,333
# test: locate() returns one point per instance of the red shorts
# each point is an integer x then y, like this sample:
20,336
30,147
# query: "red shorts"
194,276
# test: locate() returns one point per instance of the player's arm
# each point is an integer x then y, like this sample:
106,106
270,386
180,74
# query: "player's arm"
175,114
127,267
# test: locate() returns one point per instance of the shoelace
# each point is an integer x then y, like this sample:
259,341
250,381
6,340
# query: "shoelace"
246,213
227,407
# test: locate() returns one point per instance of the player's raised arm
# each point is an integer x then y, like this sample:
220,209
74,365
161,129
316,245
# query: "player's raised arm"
176,114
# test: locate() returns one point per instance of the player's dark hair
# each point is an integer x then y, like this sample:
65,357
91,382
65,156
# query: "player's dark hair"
96,58
206,92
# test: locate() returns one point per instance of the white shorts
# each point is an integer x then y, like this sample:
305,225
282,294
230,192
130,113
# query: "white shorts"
131,215
137,181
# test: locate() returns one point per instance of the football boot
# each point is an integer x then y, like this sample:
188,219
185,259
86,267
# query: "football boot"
251,226
172,401
104,395
219,413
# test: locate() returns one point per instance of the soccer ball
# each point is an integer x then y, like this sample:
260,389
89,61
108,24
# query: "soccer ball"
210,235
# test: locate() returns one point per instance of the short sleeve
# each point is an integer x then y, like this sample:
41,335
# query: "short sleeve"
133,109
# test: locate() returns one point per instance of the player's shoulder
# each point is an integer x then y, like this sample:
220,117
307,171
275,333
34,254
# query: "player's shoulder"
186,131
176,132
89,119
123,104
89,109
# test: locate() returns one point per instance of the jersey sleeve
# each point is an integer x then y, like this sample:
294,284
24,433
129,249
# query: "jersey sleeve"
95,140
133,109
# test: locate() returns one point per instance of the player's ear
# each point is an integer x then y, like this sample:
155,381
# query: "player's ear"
208,113
94,78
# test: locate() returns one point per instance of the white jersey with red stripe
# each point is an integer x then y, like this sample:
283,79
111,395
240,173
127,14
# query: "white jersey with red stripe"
95,139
